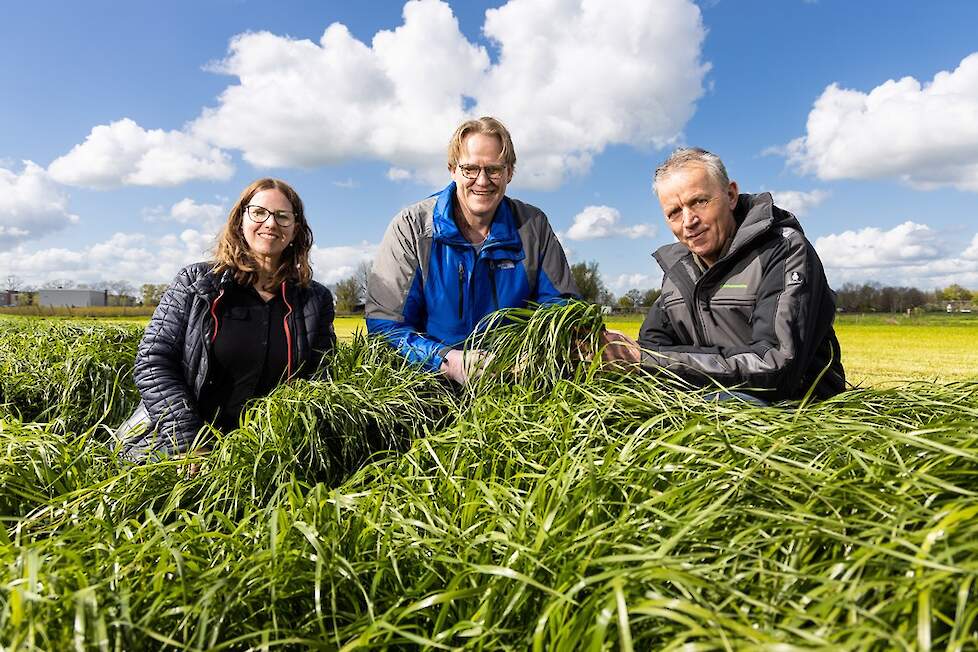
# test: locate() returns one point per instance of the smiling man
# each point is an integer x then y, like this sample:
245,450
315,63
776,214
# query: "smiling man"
449,260
744,297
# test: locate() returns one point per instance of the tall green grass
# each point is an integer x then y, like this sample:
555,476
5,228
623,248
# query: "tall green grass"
72,374
551,505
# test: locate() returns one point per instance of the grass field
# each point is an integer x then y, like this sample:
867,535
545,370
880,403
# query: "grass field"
876,349
567,507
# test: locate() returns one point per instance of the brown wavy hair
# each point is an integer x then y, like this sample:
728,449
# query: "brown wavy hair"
233,253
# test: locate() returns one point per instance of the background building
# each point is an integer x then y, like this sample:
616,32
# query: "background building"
73,298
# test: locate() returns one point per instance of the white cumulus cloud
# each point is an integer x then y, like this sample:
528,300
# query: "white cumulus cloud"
910,254
139,258
201,215
333,264
397,99
124,154
577,75
398,174
571,78
625,282
121,256
605,222
924,134
906,243
797,201
971,253
31,205
187,211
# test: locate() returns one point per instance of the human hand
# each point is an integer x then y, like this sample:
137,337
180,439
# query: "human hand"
618,347
192,470
465,366
615,347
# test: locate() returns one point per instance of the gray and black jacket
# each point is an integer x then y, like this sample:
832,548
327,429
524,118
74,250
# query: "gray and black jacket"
172,360
761,317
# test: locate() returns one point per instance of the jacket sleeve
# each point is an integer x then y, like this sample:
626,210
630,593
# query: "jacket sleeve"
395,307
657,331
322,332
158,371
784,329
555,283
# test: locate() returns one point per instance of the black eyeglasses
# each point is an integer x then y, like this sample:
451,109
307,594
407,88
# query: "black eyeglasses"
260,214
494,172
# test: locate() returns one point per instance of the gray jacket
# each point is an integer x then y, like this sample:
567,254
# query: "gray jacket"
172,361
760,317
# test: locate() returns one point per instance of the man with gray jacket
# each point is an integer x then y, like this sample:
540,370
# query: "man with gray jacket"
744,301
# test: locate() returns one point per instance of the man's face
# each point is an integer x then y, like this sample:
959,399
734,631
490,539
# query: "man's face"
479,196
698,210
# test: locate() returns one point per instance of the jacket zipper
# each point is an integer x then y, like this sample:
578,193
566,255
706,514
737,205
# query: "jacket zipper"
492,282
214,313
461,288
699,310
288,332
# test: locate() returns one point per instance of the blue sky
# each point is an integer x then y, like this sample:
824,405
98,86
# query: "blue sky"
128,129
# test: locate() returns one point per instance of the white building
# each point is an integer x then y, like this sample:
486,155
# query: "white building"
72,298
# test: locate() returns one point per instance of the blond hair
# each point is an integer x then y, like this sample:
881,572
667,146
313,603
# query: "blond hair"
484,125
233,253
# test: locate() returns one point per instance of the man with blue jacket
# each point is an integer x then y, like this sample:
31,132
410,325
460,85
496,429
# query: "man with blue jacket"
449,260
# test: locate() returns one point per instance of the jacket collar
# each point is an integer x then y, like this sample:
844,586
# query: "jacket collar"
503,233
209,284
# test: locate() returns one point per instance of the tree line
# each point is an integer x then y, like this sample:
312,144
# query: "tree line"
350,293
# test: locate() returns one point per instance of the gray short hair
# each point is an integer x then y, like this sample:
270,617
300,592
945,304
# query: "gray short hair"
683,156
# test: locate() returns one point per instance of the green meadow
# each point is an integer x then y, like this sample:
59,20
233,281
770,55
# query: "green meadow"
552,505
876,349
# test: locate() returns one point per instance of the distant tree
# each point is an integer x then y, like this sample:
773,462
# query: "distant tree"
362,275
890,299
916,298
589,282
954,292
347,294
649,297
871,297
152,293
13,283
853,297
59,284
27,298
121,293
630,300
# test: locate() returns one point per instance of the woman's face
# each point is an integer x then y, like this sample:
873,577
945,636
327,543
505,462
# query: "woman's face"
267,240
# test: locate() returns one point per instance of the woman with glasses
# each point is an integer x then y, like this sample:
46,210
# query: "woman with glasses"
232,329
